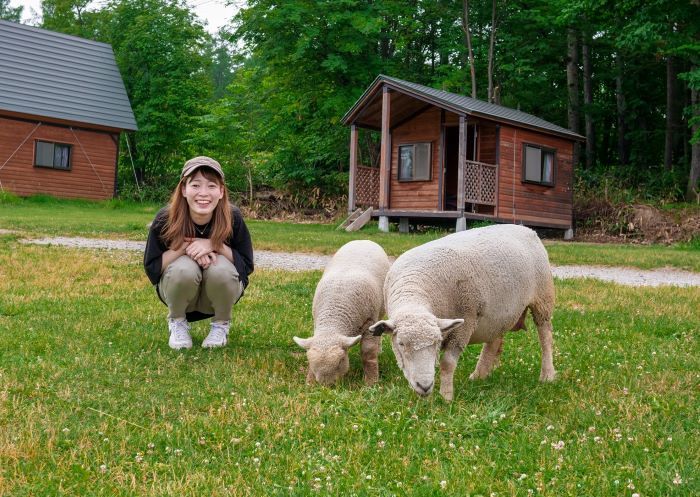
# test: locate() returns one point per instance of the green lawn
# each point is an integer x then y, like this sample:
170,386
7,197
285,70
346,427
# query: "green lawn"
45,216
93,402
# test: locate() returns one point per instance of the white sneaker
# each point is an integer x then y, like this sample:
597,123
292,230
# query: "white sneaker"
217,335
179,334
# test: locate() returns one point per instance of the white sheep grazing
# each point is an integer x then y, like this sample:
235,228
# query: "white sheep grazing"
483,280
348,299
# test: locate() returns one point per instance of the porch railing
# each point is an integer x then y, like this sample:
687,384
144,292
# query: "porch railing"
480,183
367,186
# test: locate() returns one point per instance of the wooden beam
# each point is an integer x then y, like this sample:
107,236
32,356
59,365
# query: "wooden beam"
353,168
441,162
461,162
412,115
498,166
385,159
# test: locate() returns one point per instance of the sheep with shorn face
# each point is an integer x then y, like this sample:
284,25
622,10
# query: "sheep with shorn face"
348,299
466,288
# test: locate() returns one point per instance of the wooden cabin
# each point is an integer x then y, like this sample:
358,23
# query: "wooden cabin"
445,155
63,106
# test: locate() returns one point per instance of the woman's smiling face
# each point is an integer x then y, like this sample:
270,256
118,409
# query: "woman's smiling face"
202,196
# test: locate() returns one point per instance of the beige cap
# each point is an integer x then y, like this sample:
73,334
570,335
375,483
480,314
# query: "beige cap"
201,161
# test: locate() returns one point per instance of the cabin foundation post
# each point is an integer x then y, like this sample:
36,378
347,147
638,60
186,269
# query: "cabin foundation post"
569,234
384,224
403,225
461,224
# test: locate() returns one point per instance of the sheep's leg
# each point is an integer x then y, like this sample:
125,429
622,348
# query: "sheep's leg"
369,347
488,359
310,379
448,364
544,330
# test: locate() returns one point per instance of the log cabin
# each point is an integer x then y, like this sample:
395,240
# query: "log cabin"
445,155
63,106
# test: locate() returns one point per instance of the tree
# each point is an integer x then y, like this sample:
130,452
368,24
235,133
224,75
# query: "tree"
162,52
8,13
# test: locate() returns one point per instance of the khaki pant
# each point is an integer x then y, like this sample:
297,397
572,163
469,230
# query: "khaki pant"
186,287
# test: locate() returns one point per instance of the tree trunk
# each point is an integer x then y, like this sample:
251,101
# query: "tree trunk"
588,104
468,37
492,43
622,151
672,113
572,84
692,192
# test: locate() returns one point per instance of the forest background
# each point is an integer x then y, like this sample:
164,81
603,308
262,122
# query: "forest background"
265,95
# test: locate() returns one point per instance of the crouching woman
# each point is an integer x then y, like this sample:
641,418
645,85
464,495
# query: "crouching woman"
199,254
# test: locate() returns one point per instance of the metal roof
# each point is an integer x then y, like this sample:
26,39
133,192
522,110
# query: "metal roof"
459,104
49,74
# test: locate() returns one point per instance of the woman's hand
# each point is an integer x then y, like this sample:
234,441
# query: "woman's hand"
198,248
206,260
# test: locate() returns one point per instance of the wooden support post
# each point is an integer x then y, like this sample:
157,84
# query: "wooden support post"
385,158
403,225
461,162
353,168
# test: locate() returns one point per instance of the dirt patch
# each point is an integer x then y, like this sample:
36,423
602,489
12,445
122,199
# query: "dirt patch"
601,221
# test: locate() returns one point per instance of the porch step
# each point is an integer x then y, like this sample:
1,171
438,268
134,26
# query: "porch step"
350,219
361,220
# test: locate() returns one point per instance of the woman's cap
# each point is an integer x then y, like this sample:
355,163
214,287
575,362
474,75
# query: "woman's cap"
201,161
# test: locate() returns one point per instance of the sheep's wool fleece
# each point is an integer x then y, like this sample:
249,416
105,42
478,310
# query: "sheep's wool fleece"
493,273
349,293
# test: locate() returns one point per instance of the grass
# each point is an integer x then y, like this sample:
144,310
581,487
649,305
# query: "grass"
93,402
47,216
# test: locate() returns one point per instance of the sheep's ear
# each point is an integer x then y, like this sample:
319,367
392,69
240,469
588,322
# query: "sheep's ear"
304,343
348,342
447,325
381,327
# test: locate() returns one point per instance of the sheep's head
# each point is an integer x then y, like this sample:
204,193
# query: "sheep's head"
328,356
416,339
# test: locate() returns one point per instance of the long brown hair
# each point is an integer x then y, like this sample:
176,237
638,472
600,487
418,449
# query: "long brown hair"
180,225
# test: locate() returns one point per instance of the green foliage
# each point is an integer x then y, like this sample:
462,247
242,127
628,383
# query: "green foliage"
8,13
628,184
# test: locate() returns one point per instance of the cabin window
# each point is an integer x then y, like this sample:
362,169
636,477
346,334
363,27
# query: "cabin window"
414,162
54,155
538,165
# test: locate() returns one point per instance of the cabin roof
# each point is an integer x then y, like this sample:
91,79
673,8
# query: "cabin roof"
366,112
49,74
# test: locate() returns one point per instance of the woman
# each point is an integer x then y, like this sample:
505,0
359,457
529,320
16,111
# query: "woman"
199,254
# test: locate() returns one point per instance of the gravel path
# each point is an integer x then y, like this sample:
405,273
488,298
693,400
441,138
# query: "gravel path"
307,262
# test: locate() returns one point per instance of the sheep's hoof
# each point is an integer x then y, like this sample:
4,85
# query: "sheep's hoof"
478,375
448,396
371,380
546,376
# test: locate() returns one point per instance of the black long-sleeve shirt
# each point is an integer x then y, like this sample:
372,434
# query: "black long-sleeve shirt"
239,242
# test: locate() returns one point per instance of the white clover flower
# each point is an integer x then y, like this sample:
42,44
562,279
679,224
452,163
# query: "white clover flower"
103,468
677,480
443,484
355,427
558,445
178,452
65,430
522,477
549,427
368,477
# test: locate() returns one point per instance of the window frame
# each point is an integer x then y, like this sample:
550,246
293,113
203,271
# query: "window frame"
430,161
542,149
53,166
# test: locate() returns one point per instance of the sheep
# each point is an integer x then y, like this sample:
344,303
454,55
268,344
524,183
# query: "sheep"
468,287
348,298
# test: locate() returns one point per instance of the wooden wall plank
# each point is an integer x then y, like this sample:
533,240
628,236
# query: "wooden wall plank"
20,176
